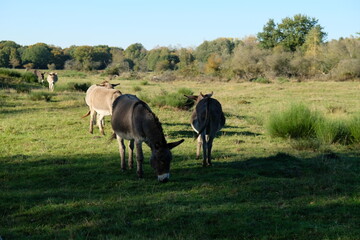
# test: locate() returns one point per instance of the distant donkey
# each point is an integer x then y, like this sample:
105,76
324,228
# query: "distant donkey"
207,119
99,98
52,78
40,75
133,120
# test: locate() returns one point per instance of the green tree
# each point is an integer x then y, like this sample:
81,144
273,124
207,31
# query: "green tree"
101,56
14,58
9,55
38,54
136,53
223,47
290,33
270,36
249,59
186,57
59,57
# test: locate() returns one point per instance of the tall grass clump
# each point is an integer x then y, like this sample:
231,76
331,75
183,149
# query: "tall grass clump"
80,87
38,96
296,122
354,128
330,131
29,77
175,99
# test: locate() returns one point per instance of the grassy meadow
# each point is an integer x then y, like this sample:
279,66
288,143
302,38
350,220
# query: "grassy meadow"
58,181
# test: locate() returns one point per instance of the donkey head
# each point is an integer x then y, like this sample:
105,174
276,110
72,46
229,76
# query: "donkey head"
200,97
161,158
108,85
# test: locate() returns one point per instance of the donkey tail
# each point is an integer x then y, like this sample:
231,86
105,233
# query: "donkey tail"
87,114
112,137
207,119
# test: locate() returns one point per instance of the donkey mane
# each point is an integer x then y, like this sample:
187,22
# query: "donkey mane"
157,121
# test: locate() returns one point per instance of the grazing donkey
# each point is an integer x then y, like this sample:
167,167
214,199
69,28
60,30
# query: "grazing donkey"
99,98
207,119
39,75
52,78
133,120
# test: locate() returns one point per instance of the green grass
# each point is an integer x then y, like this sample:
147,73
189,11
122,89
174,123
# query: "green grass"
60,182
298,121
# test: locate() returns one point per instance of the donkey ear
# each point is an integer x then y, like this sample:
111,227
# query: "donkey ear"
174,144
191,97
114,85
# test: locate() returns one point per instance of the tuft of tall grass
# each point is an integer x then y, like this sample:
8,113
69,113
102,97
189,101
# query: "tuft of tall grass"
136,88
175,99
38,96
296,122
29,77
354,128
80,87
330,131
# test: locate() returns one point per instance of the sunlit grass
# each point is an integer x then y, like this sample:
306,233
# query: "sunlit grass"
60,182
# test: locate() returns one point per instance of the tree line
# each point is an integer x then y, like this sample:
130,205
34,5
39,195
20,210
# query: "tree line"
293,48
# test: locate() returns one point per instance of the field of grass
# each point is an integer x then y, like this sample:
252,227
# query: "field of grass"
57,181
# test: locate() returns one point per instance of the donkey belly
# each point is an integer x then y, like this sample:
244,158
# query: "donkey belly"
104,112
122,118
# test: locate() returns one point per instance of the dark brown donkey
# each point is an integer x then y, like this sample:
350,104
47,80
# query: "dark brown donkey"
207,119
133,120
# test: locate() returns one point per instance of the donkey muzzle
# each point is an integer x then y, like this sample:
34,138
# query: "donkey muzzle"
164,178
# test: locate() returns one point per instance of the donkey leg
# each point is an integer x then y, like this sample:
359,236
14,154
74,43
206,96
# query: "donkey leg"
92,120
198,147
139,159
209,145
204,146
100,123
122,152
131,151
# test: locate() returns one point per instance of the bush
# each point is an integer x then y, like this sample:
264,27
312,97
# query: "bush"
38,96
73,74
296,122
29,77
10,73
81,87
260,80
176,99
144,83
347,69
137,88
22,89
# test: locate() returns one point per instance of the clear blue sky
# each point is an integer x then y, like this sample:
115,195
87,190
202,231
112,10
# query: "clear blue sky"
153,23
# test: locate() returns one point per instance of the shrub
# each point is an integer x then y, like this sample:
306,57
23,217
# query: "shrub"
9,73
73,74
282,80
38,96
144,83
296,122
347,69
333,131
81,87
29,77
260,80
22,89
137,88
176,99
